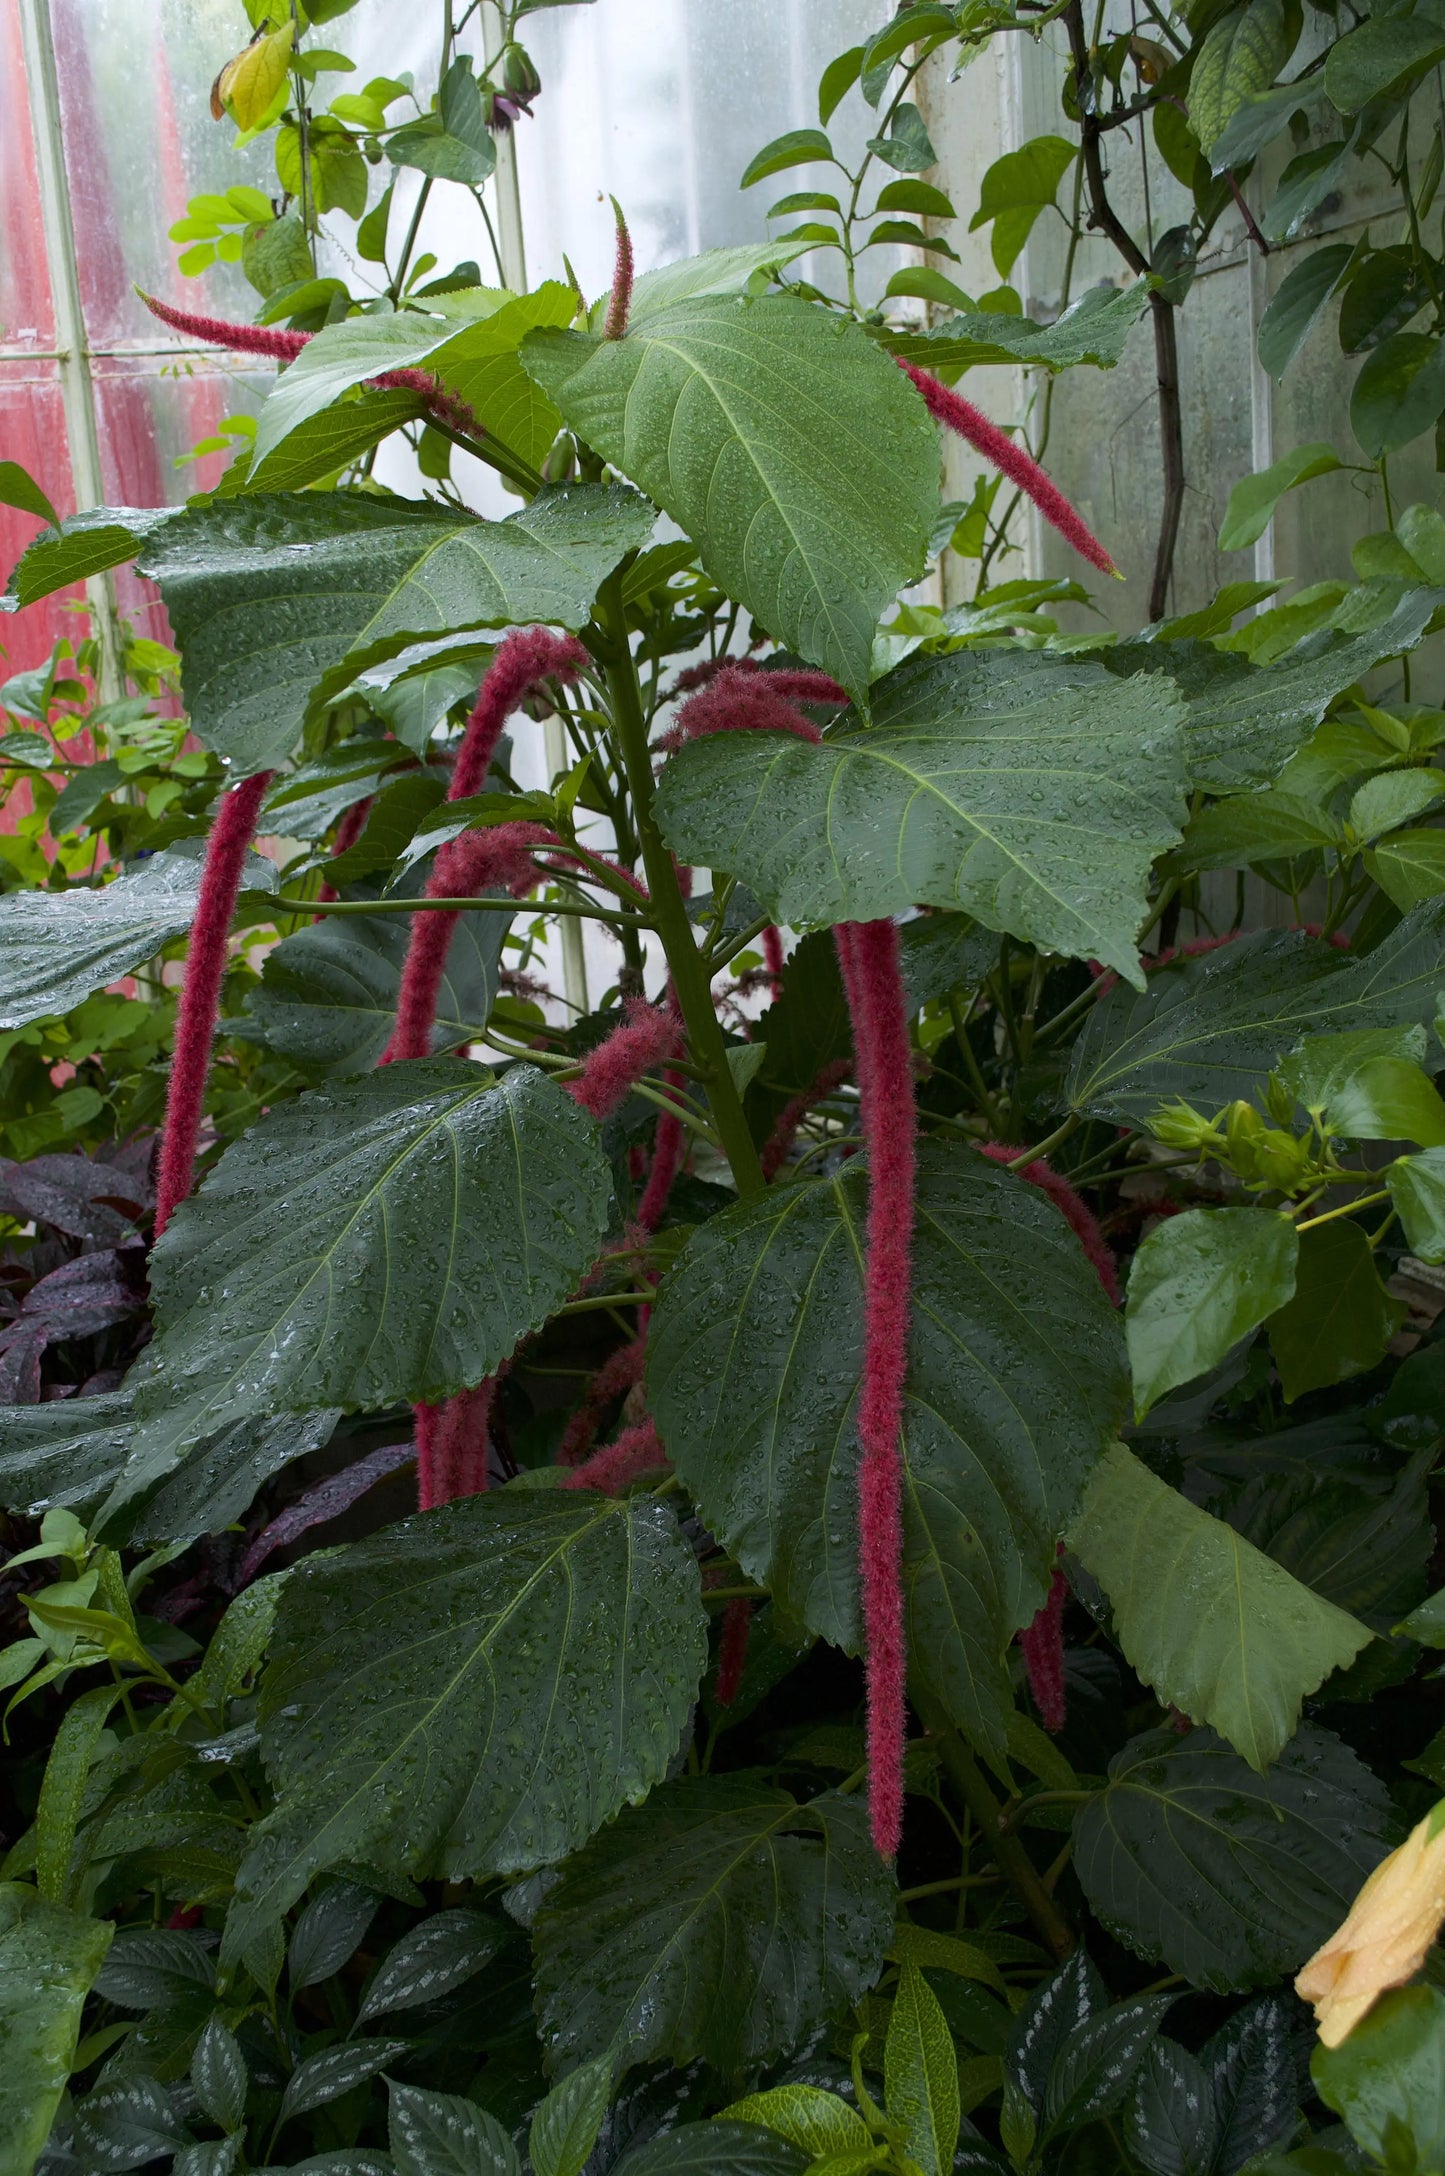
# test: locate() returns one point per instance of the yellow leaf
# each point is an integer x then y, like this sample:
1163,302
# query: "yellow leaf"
250,82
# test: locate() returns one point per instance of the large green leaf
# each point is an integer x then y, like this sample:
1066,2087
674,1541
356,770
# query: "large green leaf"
327,996
387,1238
471,344
278,601
1015,1382
1218,1629
1240,57
1243,722
67,1451
48,1959
721,1920
1340,1318
1381,58
1198,1284
1092,330
718,2148
1209,1029
1387,2078
1230,1878
1029,790
794,454
85,544
920,2074
472,1691
57,947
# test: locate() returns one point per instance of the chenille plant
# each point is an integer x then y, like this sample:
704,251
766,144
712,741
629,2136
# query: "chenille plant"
820,1562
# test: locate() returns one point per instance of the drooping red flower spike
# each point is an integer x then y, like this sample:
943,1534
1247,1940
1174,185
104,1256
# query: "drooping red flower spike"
638,1450
732,1651
451,1446
231,834
283,346
619,302
348,831
1042,1643
773,958
648,1036
739,699
1020,467
1074,1209
478,861
616,1376
872,977
669,1147
520,663
785,1132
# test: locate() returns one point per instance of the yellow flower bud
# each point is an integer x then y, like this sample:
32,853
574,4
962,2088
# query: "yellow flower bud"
1383,1940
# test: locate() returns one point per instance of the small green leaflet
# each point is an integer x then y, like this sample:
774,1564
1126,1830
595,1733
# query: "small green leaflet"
1028,790
1092,330
1198,1284
48,1961
407,1670
920,2074
277,602
85,544
806,471
1218,1629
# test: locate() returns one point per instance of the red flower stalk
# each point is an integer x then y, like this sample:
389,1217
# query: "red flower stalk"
1042,1643
521,660
773,957
348,831
616,1376
1075,1211
494,859
441,406
732,1650
637,1451
739,699
785,1132
620,301
669,1147
647,1037
451,1446
231,833
873,978
272,340
1020,467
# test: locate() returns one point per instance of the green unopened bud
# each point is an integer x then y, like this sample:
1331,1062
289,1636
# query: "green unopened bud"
1281,1160
1278,1101
520,79
1179,1125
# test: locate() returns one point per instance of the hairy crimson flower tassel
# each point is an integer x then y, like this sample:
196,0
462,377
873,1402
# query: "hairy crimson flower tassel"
479,860
272,340
1075,1211
669,1147
1020,467
521,660
231,834
873,979
773,958
616,1376
451,1446
348,831
636,1451
785,1132
647,1037
620,301
732,1650
1042,1643
737,700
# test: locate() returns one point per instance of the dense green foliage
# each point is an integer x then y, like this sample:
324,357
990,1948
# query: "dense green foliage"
347,1837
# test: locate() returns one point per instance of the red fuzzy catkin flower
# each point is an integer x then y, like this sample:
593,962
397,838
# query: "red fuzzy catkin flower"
284,347
773,958
620,301
647,1037
1042,1643
451,1446
348,831
669,1147
780,1141
738,699
637,1451
869,954
1020,467
520,662
496,859
231,835
616,1376
732,1650
1075,1211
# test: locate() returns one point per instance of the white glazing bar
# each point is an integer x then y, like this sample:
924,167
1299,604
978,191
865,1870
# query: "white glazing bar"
73,356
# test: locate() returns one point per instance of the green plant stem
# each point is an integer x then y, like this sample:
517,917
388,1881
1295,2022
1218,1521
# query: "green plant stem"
598,1300
1050,1141
689,970
1348,1208
948,1886
969,1781
458,906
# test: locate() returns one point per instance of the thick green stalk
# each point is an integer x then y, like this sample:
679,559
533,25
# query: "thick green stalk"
1013,1860
689,970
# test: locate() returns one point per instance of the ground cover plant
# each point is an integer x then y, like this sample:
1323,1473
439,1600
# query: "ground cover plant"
829,1565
